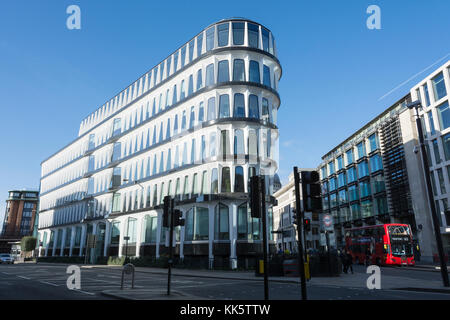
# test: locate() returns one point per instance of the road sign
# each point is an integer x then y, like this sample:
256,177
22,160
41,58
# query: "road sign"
327,220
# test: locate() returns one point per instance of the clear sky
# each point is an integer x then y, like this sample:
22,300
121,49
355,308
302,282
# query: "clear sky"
335,70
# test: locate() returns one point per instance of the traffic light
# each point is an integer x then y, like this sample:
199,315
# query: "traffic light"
255,196
177,218
167,211
312,201
294,217
307,224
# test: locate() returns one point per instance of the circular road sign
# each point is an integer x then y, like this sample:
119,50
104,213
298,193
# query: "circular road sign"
327,221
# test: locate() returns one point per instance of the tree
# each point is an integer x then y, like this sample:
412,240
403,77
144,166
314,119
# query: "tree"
28,244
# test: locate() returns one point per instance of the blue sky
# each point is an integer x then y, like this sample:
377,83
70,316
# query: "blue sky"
334,68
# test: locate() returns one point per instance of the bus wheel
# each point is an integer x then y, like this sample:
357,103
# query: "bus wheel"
378,262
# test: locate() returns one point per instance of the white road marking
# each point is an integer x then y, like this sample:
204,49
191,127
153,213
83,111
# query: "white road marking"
89,293
52,284
26,278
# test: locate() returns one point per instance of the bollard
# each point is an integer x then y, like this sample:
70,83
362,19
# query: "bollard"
127,269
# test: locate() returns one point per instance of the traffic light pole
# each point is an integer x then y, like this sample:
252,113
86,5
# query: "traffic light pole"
171,207
264,225
299,213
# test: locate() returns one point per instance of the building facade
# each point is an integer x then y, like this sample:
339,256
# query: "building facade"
376,175
433,92
20,216
286,237
195,127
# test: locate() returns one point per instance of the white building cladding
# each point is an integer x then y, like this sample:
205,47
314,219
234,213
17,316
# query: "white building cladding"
433,92
194,127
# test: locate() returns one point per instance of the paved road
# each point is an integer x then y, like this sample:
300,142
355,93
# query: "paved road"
30,281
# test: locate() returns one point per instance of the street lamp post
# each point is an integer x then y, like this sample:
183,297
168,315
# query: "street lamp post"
416,105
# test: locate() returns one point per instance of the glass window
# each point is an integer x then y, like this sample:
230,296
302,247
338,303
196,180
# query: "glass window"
214,181
151,228
364,188
331,167
427,95
131,230
223,74
238,33
191,50
224,106
115,232
174,97
238,70
441,181
363,169
201,113
212,144
210,75
378,184
192,118
444,115
361,149
182,93
341,180
439,86
222,34
373,141
211,108
199,44
266,76
253,107
340,162
332,184
117,151
117,127
183,56
197,224
169,61
210,39
446,145
376,163
353,193
265,110
238,142
183,121
254,72
191,85
437,156
239,179
221,223
431,122
226,180
265,39
433,183
224,143
199,79
253,35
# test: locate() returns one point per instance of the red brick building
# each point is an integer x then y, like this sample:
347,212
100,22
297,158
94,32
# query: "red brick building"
20,215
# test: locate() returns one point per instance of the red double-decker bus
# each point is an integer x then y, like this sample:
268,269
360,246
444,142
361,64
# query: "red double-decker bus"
385,244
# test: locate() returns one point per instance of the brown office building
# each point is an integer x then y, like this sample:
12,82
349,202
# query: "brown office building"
20,215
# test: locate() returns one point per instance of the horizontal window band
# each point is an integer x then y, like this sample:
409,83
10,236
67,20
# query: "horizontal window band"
163,112
205,55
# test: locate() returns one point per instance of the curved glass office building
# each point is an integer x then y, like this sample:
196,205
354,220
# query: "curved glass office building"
195,127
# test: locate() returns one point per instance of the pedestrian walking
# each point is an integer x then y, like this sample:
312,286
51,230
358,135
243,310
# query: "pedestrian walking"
348,261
